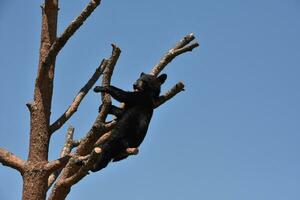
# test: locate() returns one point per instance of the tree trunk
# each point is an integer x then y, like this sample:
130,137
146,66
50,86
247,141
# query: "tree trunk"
34,187
35,176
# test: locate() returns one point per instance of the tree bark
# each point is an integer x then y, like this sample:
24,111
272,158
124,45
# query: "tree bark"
35,176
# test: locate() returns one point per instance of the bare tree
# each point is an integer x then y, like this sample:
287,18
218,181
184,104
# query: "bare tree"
37,172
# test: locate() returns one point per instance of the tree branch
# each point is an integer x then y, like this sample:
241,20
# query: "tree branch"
180,48
169,94
184,41
77,100
57,164
9,159
70,30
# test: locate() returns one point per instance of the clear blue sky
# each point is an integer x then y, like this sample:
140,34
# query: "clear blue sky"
232,135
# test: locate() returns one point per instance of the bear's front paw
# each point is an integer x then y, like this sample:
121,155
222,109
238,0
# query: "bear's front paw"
100,89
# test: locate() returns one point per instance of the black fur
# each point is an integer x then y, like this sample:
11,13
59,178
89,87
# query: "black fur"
133,120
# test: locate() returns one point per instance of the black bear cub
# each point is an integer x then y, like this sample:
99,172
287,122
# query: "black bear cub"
133,120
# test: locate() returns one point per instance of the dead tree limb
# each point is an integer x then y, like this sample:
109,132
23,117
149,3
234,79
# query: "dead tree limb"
77,100
180,48
57,164
9,159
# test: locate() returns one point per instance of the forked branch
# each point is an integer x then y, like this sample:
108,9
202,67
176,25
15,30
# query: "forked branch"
180,48
70,30
170,94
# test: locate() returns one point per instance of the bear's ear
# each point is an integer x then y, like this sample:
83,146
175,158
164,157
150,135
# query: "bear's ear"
162,78
142,74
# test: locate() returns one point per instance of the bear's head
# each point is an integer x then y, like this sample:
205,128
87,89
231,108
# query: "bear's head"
149,83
